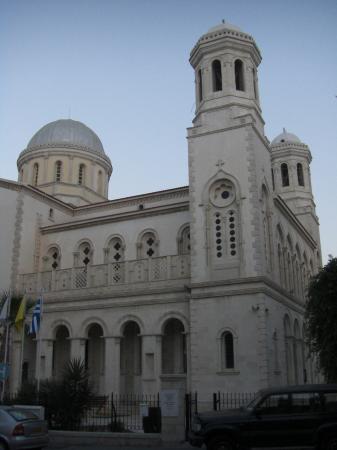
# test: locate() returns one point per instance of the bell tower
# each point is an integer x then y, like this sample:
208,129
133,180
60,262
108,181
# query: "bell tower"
225,61
229,156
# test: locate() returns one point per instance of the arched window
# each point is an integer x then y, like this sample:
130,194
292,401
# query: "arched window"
273,178
288,339
267,234
216,75
173,347
200,85
52,259
58,171
239,78
148,246
184,242
254,83
284,174
227,350
21,175
116,250
100,182
81,174
300,176
35,174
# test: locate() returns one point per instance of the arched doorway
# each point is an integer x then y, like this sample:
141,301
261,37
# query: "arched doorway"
61,350
94,356
173,347
131,358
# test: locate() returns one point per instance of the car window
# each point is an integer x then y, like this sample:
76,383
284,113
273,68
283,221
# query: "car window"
330,402
304,402
275,404
20,414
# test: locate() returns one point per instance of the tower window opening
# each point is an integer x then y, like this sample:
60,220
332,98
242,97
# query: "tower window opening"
81,174
100,182
35,174
58,171
239,79
300,175
217,76
227,351
200,85
273,178
254,83
285,174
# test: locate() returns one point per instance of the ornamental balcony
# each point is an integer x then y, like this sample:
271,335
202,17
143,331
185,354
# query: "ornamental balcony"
164,268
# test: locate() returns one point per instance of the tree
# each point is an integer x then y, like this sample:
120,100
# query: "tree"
321,319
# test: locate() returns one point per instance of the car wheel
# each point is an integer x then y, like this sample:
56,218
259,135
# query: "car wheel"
3,446
330,443
220,443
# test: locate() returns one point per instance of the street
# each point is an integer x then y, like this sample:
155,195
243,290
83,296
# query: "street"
184,446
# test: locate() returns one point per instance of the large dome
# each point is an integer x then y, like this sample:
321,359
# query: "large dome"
66,133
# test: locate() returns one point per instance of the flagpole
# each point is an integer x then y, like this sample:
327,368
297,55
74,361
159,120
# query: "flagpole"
22,339
39,346
6,345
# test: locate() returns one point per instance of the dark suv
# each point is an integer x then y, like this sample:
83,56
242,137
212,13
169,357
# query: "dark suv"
281,417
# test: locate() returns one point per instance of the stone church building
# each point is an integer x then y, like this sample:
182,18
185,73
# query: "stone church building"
200,287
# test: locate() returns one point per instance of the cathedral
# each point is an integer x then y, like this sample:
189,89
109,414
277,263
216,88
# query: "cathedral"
197,288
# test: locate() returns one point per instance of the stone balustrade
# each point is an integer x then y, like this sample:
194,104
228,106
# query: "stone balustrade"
115,273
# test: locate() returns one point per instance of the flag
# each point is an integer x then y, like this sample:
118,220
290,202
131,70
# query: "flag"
36,319
4,309
20,317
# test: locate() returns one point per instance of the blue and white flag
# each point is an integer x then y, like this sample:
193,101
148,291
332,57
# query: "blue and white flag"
36,319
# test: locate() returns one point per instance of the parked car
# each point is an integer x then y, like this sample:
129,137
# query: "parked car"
21,429
280,417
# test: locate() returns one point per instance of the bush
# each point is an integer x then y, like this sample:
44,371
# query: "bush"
65,400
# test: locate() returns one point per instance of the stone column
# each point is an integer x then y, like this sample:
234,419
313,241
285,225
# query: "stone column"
15,369
112,364
46,359
150,364
77,348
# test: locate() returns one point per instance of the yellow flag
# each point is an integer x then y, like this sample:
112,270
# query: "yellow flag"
20,317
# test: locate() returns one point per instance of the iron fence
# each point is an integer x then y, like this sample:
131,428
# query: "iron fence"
123,413
231,400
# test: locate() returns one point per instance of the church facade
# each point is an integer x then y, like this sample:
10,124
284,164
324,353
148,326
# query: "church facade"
197,288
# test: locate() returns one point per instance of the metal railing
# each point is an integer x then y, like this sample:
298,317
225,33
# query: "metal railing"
231,400
123,413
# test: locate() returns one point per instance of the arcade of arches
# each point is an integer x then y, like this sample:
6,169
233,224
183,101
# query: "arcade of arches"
129,364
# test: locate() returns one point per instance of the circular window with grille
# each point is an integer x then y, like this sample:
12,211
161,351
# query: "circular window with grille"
222,193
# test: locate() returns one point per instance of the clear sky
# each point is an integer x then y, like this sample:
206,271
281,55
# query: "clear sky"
121,67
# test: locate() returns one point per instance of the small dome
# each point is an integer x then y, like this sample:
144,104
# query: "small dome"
66,133
286,137
225,26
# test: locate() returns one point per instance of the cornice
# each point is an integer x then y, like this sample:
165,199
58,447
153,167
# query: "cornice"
101,220
284,208
36,193
55,146
136,200
254,106
246,286
198,133
146,292
229,38
288,150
